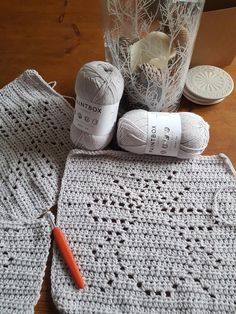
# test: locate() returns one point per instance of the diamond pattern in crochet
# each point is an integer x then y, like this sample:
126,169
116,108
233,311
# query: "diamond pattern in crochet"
146,235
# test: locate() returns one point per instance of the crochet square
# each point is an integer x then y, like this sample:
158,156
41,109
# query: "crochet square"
34,143
151,234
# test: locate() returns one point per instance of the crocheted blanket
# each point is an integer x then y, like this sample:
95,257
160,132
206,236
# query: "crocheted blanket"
151,234
34,143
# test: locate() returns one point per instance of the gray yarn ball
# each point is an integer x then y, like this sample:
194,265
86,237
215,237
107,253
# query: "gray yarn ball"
100,83
132,133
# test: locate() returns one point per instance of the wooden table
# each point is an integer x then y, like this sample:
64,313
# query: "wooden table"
57,37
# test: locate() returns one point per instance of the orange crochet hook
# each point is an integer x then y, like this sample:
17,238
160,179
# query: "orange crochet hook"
68,256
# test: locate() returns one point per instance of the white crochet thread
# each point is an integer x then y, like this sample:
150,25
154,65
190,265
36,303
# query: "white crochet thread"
146,236
34,143
132,133
99,87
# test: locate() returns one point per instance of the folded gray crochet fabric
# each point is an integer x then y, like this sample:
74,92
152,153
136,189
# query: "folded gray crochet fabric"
151,234
24,248
34,143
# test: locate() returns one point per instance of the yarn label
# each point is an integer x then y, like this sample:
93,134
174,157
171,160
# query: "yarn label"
93,118
164,134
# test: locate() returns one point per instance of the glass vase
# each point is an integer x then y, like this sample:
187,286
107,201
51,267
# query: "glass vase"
151,43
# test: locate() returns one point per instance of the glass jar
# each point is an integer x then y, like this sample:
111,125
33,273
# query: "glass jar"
151,43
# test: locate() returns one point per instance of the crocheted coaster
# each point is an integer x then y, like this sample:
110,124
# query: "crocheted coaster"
151,234
34,143
24,248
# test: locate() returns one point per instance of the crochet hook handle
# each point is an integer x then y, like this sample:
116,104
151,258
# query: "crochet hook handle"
68,257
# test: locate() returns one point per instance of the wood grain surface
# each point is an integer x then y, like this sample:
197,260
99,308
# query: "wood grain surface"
57,37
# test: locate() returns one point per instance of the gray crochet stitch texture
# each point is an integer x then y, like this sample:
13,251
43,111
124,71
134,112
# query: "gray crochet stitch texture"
24,248
34,143
149,234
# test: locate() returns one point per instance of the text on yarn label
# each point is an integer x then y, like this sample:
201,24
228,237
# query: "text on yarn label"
164,134
93,118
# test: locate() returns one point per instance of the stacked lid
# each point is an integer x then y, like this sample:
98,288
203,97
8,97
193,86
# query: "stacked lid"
207,85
